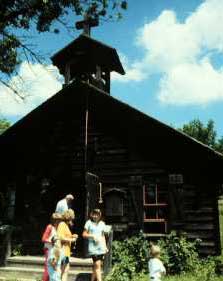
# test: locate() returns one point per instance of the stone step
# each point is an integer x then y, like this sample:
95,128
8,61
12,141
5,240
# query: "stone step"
38,261
35,274
17,279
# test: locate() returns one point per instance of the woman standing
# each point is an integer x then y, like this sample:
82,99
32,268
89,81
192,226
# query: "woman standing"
66,237
94,230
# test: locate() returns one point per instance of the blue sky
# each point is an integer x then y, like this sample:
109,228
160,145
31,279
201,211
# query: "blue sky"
172,51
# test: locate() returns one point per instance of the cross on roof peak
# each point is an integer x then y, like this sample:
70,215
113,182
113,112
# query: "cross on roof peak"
86,24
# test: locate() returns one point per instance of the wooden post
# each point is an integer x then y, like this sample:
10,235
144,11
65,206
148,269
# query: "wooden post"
5,249
85,161
220,215
87,194
107,265
8,249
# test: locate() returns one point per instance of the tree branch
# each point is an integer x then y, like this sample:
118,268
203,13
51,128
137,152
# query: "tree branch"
12,89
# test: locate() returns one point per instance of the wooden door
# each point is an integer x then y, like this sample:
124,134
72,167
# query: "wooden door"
92,193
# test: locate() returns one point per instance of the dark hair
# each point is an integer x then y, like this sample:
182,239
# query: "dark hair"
95,212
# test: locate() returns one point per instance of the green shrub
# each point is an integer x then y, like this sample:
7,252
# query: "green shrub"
180,257
17,250
129,258
204,269
218,264
178,254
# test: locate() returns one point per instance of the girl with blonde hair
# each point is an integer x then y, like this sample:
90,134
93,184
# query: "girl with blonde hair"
54,261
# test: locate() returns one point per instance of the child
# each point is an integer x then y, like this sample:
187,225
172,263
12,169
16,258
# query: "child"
156,267
49,232
54,261
94,231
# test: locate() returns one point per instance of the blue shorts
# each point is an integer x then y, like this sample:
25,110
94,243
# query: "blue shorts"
65,260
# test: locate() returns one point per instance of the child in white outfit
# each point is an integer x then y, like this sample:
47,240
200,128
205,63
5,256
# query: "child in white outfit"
55,261
156,267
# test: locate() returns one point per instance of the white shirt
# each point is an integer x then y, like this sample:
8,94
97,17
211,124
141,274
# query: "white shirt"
156,269
61,206
97,229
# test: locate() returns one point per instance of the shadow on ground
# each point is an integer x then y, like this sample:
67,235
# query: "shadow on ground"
83,277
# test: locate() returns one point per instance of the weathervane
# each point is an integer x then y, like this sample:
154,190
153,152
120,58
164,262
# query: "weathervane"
86,24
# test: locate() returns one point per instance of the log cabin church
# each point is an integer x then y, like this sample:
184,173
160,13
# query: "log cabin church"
142,173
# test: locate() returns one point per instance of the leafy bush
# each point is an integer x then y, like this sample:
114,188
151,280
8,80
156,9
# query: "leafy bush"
129,258
218,264
204,269
17,250
178,254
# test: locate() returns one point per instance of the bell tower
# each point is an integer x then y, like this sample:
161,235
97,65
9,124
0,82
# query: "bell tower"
87,59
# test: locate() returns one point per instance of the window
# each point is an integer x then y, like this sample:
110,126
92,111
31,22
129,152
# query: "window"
155,209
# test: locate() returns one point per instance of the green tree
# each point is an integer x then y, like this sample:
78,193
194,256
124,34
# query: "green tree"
219,145
197,130
17,15
4,124
203,133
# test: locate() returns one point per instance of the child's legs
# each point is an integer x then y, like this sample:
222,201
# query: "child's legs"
93,276
45,270
97,270
53,276
65,271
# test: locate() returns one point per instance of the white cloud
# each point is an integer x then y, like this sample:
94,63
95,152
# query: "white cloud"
205,23
35,82
133,72
167,42
181,51
192,84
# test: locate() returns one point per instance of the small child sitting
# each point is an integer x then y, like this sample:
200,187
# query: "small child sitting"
156,267
54,261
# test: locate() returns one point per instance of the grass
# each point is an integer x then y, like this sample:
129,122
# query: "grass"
182,277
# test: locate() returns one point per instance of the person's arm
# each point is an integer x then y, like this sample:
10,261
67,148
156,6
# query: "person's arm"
86,234
68,239
53,263
46,234
64,233
162,268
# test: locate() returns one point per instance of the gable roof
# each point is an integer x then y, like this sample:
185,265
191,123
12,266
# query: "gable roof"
146,135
